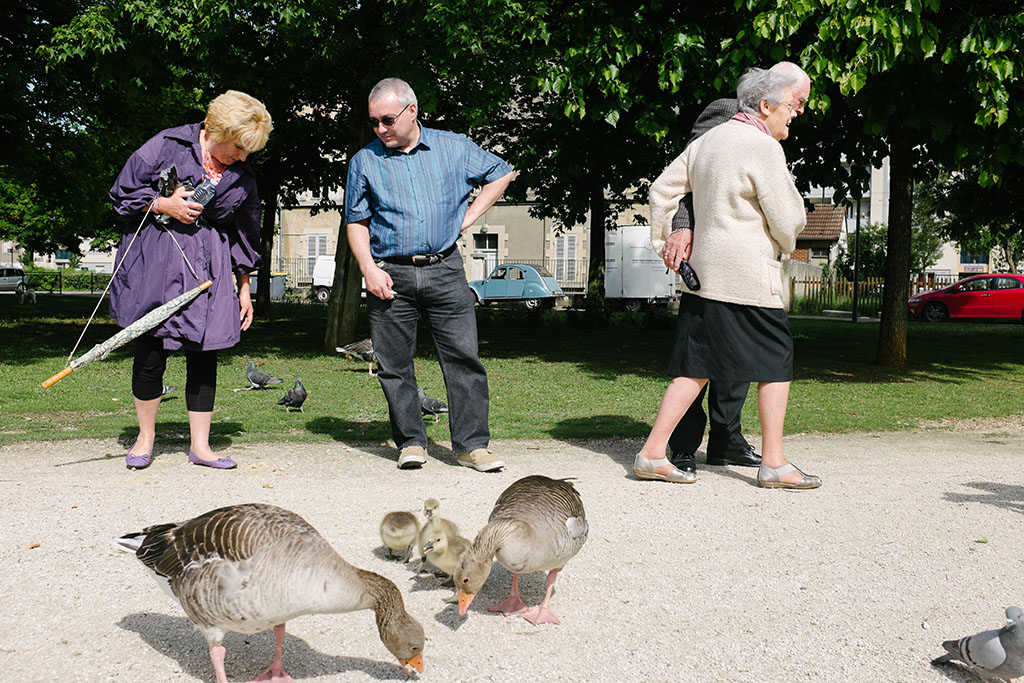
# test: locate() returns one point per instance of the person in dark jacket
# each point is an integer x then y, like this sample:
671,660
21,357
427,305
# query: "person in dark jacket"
182,243
726,443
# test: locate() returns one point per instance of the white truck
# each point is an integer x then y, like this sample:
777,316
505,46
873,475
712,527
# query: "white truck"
634,274
323,277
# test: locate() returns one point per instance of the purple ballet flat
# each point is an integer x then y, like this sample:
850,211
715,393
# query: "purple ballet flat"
218,464
134,461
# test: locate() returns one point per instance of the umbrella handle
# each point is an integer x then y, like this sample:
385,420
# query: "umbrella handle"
58,377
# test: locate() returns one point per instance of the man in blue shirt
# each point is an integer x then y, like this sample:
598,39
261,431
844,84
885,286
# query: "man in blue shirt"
406,204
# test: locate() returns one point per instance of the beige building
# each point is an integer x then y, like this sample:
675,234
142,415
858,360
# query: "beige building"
506,232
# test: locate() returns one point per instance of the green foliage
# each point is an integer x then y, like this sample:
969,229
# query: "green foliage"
925,250
978,218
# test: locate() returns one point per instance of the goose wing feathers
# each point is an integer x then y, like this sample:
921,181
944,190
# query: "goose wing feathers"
244,568
548,524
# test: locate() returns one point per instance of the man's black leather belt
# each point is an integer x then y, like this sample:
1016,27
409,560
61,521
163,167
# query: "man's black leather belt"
421,259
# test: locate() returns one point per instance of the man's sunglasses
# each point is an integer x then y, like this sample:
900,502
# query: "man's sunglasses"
387,120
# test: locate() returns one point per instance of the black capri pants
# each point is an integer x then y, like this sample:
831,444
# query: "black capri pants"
148,374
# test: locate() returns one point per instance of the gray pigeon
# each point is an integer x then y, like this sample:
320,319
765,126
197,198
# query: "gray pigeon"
999,652
360,349
294,397
257,378
430,405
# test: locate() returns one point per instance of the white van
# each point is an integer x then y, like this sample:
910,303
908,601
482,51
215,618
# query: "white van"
323,277
11,277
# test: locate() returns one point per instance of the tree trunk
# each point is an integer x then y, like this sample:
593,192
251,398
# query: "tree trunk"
595,281
343,307
346,293
262,306
892,334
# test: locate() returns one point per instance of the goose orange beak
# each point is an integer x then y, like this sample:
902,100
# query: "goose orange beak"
464,600
416,663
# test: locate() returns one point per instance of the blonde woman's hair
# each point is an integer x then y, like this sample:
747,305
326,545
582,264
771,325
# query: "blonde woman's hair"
239,117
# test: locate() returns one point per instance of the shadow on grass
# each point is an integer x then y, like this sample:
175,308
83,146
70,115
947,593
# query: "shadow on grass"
247,654
627,344
343,430
176,433
1005,496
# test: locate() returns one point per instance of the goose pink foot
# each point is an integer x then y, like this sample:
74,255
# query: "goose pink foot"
275,674
541,614
513,604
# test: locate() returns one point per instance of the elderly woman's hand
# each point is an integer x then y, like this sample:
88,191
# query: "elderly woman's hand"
244,301
677,247
178,207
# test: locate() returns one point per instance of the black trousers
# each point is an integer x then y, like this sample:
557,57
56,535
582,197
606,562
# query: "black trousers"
725,403
148,374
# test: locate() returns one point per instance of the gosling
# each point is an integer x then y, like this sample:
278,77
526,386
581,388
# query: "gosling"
399,531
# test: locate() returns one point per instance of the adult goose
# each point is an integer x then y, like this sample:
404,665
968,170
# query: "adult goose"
247,568
537,524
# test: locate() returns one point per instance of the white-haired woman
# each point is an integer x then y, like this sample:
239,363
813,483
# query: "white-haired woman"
220,240
734,328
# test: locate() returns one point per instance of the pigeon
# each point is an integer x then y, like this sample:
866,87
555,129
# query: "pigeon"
430,405
257,378
294,397
999,652
360,349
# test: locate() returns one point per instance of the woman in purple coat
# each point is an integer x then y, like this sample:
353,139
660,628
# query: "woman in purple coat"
183,243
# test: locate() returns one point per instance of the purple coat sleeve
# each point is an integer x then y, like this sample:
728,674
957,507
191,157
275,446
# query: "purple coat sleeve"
245,238
135,186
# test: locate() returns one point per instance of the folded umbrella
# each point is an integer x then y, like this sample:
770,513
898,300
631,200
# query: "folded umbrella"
133,331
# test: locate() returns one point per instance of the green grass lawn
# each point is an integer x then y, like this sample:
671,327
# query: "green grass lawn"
550,377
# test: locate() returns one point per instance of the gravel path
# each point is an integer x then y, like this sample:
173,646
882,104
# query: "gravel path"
915,537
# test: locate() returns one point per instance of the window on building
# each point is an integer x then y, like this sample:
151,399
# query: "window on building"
316,245
820,252
973,257
565,257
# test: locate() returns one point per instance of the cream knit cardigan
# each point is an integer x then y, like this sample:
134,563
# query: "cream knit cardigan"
747,212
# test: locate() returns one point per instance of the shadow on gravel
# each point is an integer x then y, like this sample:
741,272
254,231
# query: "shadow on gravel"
611,427
1006,496
954,671
249,652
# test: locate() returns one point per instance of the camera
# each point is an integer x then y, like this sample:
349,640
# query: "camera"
168,182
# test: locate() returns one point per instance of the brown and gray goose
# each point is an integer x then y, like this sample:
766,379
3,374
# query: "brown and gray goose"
248,568
537,524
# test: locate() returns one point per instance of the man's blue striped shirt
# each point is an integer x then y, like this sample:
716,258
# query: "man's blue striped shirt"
416,201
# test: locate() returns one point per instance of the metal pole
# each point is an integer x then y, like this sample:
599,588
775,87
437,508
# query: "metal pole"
856,262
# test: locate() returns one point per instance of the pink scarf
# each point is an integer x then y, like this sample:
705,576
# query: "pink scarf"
752,120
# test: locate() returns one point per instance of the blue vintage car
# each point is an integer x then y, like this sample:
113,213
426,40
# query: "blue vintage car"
534,286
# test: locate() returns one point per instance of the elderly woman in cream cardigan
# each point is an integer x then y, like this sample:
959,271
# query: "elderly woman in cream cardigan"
747,215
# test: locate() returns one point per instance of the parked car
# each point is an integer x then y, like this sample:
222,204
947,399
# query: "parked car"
11,277
998,296
534,286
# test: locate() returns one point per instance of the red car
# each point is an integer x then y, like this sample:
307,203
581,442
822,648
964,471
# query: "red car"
980,296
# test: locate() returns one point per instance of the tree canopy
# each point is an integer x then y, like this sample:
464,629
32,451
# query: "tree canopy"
588,101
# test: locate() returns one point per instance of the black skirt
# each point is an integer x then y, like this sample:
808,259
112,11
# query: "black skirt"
731,342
